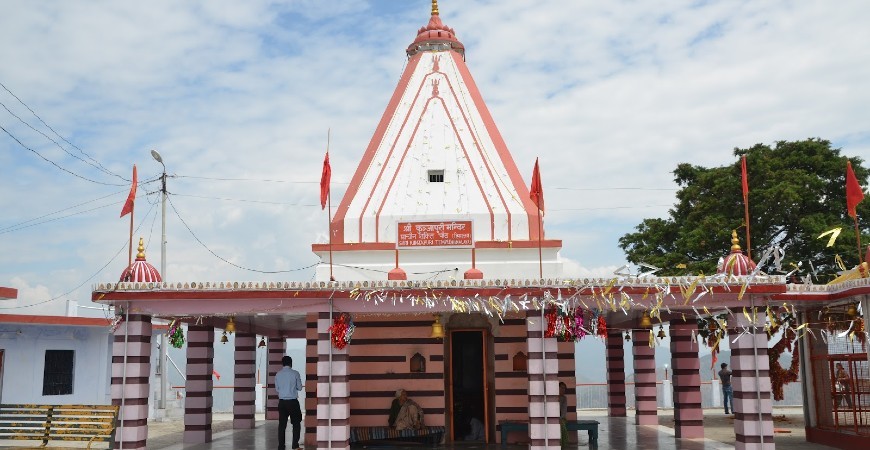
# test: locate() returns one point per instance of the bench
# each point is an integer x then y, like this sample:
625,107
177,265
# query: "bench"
387,435
591,426
49,423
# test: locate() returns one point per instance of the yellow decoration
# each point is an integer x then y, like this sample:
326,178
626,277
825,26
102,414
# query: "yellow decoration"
437,328
835,233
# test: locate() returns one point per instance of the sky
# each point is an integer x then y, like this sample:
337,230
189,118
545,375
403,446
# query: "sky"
237,97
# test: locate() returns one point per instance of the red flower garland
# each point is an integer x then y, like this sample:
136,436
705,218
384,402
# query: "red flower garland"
340,331
779,377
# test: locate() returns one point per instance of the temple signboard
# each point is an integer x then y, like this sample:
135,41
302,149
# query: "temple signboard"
434,234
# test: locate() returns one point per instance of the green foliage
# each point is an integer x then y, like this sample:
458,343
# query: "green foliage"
796,192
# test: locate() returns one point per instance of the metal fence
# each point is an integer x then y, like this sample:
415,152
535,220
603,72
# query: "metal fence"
594,395
589,396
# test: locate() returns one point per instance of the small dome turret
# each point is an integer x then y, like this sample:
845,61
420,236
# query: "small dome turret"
140,271
435,36
736,263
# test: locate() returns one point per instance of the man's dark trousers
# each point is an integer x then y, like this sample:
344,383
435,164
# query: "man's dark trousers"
289,408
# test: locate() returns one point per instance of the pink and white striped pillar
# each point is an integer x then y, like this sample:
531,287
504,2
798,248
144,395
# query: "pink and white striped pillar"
750,379
615,374
688,415
645,399
276,349
543,371
333,398
131,369
198,398
244,395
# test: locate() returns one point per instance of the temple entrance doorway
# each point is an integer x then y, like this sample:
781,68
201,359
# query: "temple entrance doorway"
468,382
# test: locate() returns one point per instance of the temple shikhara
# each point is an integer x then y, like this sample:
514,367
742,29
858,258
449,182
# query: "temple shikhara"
439,279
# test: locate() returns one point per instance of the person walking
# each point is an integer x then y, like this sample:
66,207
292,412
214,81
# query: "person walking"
727,391
288,383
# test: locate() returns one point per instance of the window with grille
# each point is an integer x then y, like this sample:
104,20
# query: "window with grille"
436,176
57,378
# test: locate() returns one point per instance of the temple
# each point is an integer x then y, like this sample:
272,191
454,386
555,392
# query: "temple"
438,279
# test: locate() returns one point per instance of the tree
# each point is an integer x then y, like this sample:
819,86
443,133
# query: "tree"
796,193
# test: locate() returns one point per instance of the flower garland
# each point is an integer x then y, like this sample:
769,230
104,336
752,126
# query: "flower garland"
176,334
341,330
570,326
779,376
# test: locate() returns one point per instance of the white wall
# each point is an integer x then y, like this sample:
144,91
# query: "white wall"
24,361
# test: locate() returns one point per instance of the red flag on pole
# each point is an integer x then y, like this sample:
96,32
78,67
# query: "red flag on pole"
128,205
324,181
536,191
854,193
745,177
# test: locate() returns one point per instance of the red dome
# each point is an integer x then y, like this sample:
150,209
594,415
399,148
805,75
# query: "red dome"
435,36
736,263
140,271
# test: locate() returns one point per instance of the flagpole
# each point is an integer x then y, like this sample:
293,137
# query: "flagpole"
540,252
746,205
130,252
329,209
858,238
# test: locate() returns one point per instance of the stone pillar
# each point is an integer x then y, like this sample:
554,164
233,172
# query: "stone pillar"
276,349
244,395
645,401
543,372
688,415
131,369
333,392
750,379
198,398
615,374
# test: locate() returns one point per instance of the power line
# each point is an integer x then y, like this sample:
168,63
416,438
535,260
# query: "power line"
264,180
55,164
123,247
98,165
28,224
244,200
224,259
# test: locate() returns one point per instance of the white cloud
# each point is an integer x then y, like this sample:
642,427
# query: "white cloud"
608,94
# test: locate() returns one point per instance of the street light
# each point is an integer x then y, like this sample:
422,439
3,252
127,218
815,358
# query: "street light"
163,340
666,371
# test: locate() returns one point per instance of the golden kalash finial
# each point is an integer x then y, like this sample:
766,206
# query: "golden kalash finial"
141,249
434,7
735,242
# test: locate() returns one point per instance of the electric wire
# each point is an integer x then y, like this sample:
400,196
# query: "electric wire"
100,166
222,258
54,163
112,259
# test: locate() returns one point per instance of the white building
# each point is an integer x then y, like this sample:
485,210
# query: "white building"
55,360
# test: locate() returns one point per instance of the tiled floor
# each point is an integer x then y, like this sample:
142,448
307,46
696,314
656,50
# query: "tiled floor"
614,433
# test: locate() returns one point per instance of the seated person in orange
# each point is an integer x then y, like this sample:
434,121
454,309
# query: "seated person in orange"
405,413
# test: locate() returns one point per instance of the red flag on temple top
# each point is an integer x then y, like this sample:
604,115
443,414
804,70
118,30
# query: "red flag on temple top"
324,181
128,205
854,193
536,191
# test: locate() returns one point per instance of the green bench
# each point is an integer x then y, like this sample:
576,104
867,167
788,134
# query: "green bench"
591,426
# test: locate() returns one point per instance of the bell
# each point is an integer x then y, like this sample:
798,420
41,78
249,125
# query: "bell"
645,321
661,334
852,311
437,328
224,339
627,337
262,342
231,326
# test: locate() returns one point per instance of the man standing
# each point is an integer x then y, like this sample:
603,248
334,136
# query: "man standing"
288,383
727,391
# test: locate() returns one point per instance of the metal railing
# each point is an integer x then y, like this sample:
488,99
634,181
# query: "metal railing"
594,395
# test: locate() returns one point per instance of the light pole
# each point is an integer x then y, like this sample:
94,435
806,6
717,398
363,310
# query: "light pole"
163,340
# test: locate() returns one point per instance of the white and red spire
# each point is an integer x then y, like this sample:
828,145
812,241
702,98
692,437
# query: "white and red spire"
436,155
